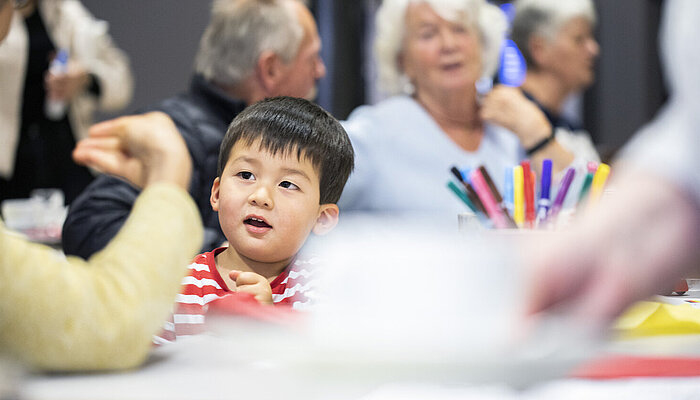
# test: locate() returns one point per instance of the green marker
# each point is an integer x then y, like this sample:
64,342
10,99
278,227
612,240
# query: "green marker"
461,196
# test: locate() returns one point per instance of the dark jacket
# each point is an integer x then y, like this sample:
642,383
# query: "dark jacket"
202,114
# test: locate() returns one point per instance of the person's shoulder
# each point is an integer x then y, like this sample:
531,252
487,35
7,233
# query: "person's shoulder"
179,106
380,120
71,10
392,107
194,119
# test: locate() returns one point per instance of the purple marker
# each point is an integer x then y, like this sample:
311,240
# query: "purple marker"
561,195
544,202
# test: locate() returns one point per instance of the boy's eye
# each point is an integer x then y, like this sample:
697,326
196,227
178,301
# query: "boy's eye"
288,185
245,175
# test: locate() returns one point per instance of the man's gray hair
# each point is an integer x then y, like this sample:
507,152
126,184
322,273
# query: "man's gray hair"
488,20
546,18
239,31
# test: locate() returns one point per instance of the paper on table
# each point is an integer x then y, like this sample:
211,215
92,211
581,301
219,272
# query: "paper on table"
647,318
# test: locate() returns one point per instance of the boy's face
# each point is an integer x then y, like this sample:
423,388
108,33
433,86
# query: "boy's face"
269,204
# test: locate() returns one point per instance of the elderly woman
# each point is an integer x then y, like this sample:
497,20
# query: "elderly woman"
431,53
556,40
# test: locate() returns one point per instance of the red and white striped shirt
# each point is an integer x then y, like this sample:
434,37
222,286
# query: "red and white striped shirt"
203,285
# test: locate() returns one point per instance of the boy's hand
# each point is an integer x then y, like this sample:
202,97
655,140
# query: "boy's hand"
250,282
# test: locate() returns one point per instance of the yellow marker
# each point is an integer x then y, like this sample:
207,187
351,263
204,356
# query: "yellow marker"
601,175
518,196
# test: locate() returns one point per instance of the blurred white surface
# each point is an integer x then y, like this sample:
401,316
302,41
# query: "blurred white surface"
403,313
40,217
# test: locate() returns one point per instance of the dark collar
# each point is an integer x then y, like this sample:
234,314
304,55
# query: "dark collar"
556,120
216,98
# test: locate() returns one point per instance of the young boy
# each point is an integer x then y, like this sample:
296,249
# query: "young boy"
282,167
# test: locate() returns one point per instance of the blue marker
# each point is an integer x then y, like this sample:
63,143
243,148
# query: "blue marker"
512,68
545,184
509,10
508,190
465,174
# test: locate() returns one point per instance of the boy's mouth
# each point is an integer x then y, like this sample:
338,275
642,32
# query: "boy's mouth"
256,222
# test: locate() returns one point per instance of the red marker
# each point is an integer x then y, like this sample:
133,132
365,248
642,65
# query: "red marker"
529,195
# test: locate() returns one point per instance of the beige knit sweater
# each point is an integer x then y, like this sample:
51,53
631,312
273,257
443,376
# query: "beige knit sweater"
58,314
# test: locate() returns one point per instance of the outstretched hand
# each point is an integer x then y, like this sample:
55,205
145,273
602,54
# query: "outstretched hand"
255,284
638,242
143,149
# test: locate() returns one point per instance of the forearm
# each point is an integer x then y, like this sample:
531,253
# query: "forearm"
100,314
567,149
561,157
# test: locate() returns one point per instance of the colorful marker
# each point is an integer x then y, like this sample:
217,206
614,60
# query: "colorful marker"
529,195
487,199
461,195
518,196
601,175
561,195
497,196
508,189
545,183
471,193
592,167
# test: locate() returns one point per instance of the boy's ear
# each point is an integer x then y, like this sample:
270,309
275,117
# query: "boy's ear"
268,70
327,219
214,198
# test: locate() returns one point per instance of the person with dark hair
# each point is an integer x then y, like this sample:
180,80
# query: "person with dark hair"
67,314
282,168
251,50
556,40
645,237
49,105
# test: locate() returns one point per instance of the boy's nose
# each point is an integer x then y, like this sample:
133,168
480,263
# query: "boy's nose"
261,197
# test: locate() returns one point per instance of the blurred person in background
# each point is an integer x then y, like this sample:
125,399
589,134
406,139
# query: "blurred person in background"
46,110
644,237
431,54
556,40
251,49
68,314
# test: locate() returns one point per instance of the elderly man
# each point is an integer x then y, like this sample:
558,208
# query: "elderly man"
252,49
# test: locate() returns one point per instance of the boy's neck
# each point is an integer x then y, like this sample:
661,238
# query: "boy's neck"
230,259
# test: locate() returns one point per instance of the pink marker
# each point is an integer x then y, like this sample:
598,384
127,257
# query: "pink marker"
487,199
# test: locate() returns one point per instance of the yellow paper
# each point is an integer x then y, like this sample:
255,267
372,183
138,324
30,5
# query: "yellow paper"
648,318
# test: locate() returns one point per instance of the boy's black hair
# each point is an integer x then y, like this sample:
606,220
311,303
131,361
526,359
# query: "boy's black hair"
287,124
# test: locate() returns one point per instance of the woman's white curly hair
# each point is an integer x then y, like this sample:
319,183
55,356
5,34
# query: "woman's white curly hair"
488,19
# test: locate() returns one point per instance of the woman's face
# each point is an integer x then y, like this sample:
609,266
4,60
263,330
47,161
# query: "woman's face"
439,55
571,55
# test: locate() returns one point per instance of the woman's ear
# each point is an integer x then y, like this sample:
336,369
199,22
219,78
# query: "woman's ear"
214,198
538,46
327,219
